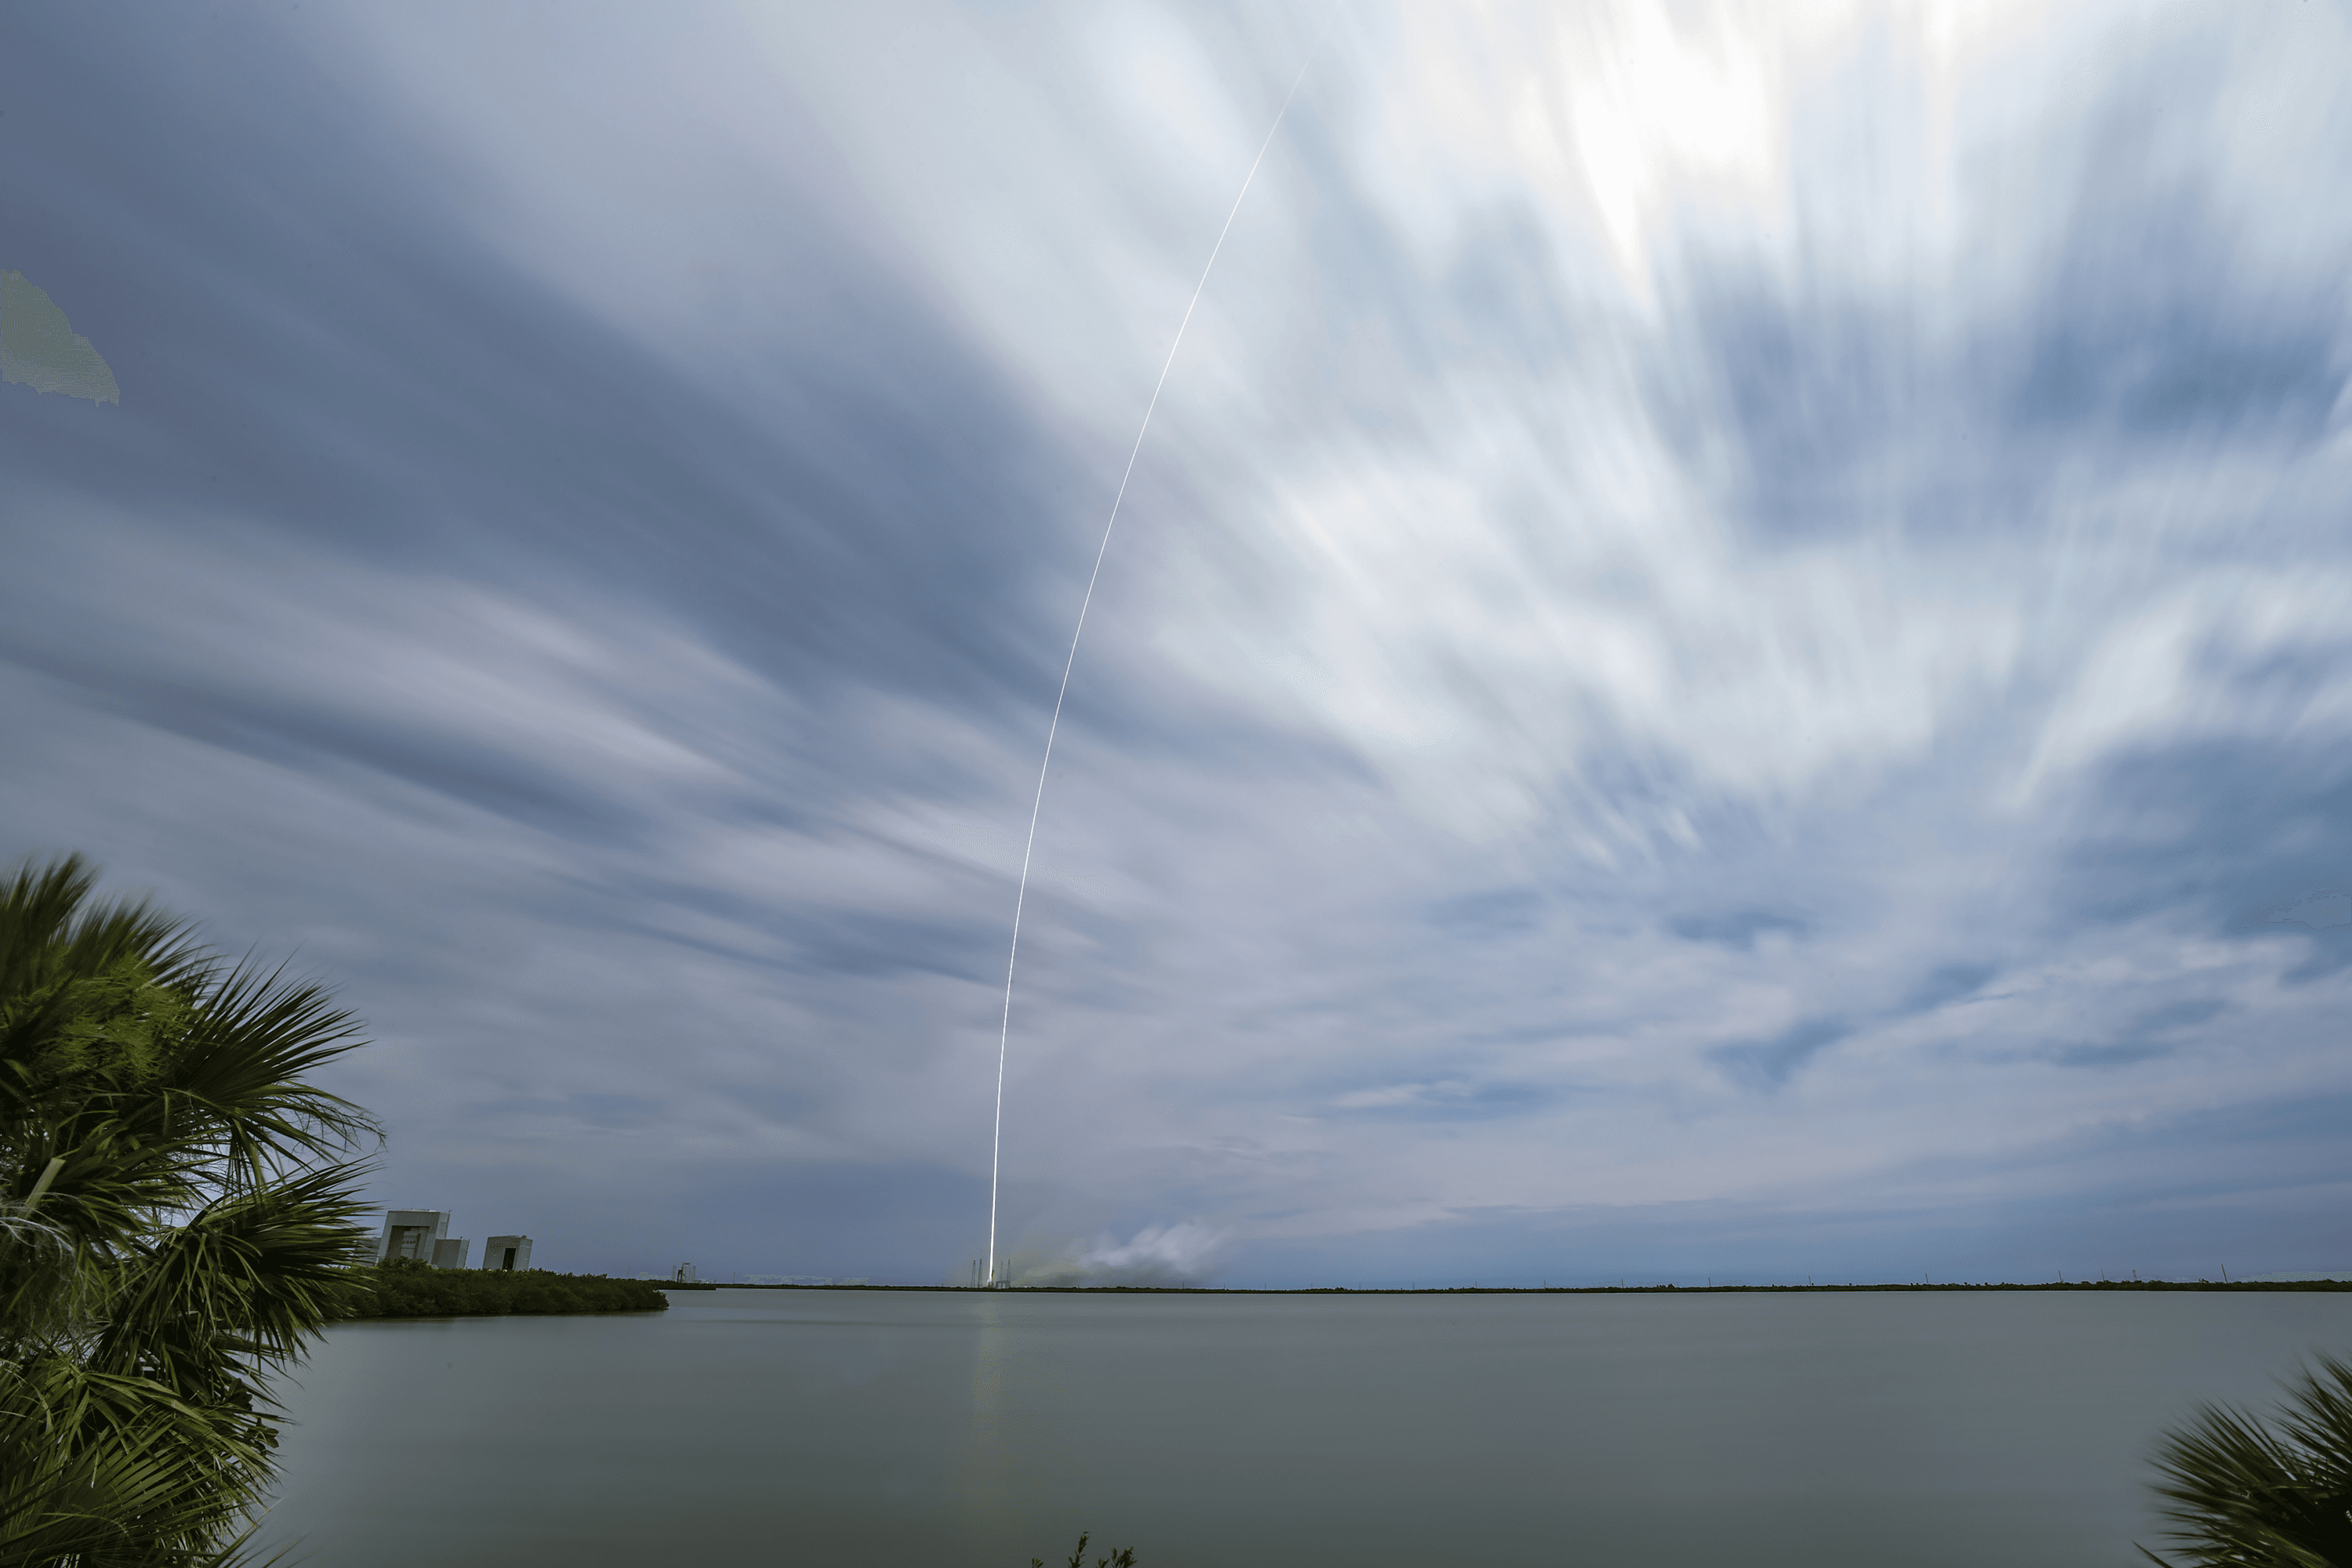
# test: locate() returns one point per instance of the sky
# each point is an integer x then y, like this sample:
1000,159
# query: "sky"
1727,656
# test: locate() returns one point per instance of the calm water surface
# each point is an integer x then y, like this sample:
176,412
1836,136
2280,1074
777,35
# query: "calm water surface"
848,1427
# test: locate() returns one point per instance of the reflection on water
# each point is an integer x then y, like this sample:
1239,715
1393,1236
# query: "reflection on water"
986,1480
969,1429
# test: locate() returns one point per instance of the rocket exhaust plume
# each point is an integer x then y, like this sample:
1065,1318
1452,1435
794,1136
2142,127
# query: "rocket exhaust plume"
1013,958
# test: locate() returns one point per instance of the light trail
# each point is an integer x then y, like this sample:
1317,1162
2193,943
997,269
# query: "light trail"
1021,898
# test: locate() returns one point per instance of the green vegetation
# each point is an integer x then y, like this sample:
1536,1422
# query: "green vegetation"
1123,1558
2247,1494
2235,1286
404,1287
176,1223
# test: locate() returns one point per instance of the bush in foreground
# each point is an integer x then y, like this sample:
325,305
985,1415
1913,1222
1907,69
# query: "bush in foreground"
2254,1495
1123,1558
403,1288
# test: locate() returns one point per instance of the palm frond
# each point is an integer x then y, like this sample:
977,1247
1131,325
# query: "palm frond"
101,1469
2242,1494
42,1292
254,1273
2318,1421
176,1221
241,1072
51,929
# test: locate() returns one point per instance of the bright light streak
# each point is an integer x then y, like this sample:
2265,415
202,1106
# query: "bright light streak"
1005,1031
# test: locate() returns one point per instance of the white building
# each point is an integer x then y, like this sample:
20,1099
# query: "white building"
507,1253
424,1234
411,1232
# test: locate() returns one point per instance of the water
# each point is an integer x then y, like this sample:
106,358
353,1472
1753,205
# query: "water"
982,1430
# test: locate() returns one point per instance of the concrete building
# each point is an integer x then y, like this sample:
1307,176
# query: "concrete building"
424,1234
411,1232
507,1253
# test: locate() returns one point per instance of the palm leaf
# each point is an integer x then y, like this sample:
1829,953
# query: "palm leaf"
102,1469
2242,1494
241,1074
176,1221
257,1273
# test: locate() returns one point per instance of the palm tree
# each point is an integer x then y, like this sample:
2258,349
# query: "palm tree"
176,1223
2254,1496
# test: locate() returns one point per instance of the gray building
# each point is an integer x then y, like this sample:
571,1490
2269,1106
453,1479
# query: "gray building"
506,1252
411,1232
421,1233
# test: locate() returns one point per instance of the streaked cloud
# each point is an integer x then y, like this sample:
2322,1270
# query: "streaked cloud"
1730,642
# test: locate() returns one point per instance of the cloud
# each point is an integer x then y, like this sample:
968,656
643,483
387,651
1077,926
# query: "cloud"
2111,1055
1505,912
1738,929
1172,1255
1768,1064
1950,983
1714,599
2316,911
1446,1100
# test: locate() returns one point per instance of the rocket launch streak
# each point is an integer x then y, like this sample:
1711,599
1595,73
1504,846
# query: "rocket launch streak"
1005,1033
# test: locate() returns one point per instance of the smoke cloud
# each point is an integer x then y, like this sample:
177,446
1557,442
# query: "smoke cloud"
1186,1253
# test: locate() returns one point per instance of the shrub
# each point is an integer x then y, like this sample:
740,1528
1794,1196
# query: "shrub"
404,1287
1123,1558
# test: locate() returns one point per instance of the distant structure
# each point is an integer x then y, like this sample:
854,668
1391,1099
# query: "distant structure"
411,1232
424,1234
682,1274
507,1253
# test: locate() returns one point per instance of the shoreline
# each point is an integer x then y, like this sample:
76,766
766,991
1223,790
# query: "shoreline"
2248,1287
